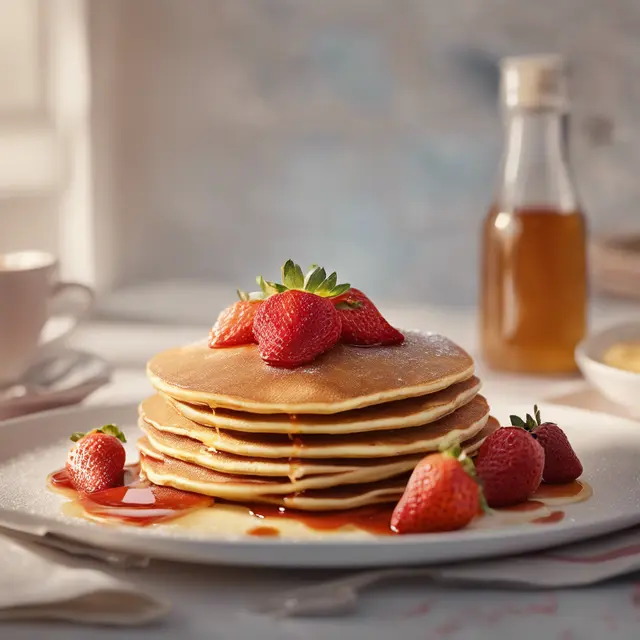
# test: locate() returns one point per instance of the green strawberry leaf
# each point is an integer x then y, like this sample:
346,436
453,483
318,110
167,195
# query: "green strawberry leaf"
107,429
531,423
536,411
327,286
243,295
269,288
517,421
340,289
292,276
314,279
112,430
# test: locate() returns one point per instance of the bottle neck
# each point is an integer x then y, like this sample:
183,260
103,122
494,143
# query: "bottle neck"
535,166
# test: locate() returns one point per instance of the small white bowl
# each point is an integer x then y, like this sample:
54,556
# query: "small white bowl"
619,386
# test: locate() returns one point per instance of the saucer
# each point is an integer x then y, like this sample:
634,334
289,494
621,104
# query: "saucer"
60,379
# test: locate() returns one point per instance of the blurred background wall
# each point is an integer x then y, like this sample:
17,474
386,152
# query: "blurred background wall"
227,136
361,134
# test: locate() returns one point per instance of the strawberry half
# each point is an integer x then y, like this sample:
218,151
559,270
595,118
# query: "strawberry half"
96,461
362,323
509,464
561,463
441,495
235,324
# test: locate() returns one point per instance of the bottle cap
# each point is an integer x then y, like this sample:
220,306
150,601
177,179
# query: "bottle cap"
534,82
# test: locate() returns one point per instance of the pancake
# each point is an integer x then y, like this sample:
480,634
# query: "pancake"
166,471
342,379
411,412
294,469
465,422
245,488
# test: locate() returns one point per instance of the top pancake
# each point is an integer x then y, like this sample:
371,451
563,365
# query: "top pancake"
343,378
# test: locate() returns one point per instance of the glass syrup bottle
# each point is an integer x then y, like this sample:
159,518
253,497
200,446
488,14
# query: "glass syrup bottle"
534,295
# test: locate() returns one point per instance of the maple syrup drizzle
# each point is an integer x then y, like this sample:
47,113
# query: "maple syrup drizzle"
529,505
568,490
552,518
142,503
264,532
137,502
374,519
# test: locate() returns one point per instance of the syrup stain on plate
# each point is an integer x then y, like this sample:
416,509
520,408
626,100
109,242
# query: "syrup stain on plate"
141,503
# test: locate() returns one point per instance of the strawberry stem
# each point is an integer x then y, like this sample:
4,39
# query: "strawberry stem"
315,281
107,429
530,422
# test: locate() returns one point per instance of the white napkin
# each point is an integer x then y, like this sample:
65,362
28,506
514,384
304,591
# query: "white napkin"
578,565
43,582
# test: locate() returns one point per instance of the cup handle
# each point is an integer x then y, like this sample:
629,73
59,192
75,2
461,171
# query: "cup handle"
70,299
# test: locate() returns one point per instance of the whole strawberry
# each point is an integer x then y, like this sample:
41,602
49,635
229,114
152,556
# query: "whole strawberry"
509,465
298,320
295,327
362,323
96,461
441,495
235,324
561,464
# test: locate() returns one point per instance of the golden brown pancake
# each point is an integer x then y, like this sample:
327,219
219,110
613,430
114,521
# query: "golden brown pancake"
189,450
245,488
411,412
464,423
342,379
472,445
164,470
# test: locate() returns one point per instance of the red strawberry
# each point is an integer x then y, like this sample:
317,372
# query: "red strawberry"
96,461
441,495
561,462
362,323
295,327
509,464
234,325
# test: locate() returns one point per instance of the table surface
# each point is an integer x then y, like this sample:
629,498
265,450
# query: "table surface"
214,603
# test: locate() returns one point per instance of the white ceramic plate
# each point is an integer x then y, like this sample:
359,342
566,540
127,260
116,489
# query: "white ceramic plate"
34,446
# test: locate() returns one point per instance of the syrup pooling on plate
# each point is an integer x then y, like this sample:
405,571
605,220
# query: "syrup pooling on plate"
552,518
140,503
575,491
264,532
374,519
137,502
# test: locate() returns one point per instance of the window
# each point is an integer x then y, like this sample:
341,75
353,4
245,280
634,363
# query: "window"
45,199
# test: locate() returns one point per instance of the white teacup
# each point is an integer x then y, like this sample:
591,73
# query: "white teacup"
30,295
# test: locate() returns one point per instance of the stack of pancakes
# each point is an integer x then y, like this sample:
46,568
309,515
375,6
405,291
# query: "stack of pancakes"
342,432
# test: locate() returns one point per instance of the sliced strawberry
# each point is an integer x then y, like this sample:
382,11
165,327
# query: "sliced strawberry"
362,323
96,461
441,495
295,327
235,325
